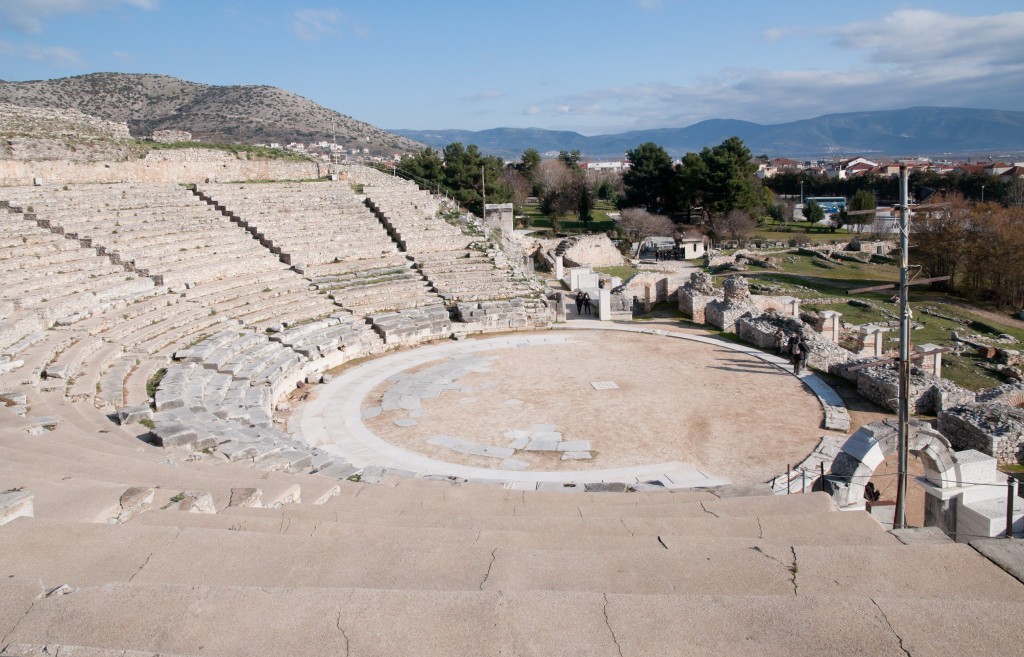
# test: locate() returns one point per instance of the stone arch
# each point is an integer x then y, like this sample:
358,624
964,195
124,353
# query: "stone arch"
870,445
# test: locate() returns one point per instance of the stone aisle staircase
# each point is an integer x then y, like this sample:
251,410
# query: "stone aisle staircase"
414,567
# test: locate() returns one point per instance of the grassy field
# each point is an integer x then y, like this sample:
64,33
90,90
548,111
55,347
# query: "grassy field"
570,223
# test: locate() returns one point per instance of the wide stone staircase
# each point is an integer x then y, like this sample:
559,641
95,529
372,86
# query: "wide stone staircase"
416,567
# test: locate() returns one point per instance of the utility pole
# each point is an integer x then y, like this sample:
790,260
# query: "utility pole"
483,194
900,521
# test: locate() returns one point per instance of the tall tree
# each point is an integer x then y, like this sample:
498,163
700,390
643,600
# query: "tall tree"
649,179
571,159
529,163
813,212
730,182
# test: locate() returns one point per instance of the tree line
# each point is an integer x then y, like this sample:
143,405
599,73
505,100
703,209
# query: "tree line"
980,245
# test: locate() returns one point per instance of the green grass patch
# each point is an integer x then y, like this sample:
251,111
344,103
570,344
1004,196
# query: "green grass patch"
154,381
962,369
622,271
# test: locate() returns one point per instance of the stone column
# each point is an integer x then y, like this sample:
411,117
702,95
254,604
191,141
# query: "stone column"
559,267
831,326
871,340
932,361
605,306
794,308
560,307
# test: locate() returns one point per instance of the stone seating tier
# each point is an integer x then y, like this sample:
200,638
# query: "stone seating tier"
412,325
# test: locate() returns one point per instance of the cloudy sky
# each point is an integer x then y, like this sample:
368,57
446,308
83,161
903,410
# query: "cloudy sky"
594,66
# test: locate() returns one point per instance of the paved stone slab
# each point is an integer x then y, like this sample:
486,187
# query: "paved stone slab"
1008,554
405,422
576,456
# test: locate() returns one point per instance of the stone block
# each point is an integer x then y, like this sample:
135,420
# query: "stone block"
197,502
133,414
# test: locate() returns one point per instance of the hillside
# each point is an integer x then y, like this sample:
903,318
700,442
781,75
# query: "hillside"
229,114
910,131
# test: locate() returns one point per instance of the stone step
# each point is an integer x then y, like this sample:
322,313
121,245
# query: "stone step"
118,472
731,507
201,557
149,619
677,533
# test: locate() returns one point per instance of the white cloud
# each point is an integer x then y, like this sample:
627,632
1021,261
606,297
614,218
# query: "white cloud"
54,56
491,94
318,24
907,58
32,15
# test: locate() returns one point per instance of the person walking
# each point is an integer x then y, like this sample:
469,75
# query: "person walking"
586,302
579,302
793,347
800,359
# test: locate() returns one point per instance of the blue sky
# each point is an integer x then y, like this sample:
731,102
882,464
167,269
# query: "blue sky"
594,66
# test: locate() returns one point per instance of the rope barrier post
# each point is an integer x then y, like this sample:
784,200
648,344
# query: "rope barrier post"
822,465
803,480
789,479
1009,505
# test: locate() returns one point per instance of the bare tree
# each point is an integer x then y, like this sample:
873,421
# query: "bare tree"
518,183
641,224
737,225
1015,193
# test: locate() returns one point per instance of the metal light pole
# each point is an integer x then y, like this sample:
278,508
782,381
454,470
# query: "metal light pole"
900,520
801,192
983,194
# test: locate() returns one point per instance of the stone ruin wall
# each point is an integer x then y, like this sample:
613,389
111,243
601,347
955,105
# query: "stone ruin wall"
663,285
592,251
928,395
998,432
175,166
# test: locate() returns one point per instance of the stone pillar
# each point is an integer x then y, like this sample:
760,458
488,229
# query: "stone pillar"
559,267
831,326
932,361
560,308
871,340
794,308
605,305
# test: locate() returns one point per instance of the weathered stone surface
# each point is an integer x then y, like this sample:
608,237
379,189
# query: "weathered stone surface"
994,429
15,504
246,497
133,414
197,502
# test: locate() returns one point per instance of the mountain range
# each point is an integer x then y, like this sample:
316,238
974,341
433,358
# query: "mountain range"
901,132
226,114
258,113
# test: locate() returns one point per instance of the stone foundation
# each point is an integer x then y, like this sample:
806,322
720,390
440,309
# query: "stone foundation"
993,429
928,395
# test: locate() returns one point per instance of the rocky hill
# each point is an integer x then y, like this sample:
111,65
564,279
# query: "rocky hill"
228,114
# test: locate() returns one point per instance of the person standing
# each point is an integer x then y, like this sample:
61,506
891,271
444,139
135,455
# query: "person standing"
586,302
579,302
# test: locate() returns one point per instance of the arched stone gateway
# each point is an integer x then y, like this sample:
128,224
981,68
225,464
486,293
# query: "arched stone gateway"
956,483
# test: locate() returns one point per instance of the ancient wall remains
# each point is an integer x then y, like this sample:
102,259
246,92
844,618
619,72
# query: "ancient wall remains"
994,429
177,166
591,251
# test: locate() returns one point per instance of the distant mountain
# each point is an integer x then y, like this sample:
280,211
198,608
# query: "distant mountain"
230,114
911,131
